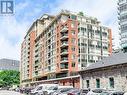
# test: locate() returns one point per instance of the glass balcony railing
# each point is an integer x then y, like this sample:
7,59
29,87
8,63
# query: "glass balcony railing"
64,51
64,36
64,59
64,29
64,43
64,66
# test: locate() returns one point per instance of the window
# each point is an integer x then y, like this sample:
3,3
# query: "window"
111,81
73,17
83,31
73,56
123,7
73,64
73,40
73,48
73,24
97,83
87,83
63,83
83,50
73,32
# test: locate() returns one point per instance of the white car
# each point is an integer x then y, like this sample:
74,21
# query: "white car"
125,93
52,89
40,88
62,90
112,93
97,91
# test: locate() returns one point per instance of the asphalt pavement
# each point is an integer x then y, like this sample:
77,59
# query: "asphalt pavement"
5,92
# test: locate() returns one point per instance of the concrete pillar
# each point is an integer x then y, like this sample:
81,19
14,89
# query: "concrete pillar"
81,81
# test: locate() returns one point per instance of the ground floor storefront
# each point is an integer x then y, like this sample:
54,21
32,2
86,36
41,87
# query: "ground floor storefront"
66,81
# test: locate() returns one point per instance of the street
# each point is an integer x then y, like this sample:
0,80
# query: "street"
5,92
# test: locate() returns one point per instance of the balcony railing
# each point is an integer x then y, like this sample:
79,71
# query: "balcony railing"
64,66
65,43
64,36
64,51
65,59
64,29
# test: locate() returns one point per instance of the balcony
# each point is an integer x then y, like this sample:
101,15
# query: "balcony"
64,67
64,36
105,39
91,45
64,43
64,60
64,29
61,75
64,52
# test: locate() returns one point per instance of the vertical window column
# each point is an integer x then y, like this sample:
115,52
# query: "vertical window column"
111,82
97,83
87,83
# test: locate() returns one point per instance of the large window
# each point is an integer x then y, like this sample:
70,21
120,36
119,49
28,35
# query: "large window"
111,82
83,50
87,83
123,7
83,31
123,18
73,17
83,58
97,83
73,64
123,27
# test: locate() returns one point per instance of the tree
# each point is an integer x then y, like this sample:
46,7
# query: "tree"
81,13
9,78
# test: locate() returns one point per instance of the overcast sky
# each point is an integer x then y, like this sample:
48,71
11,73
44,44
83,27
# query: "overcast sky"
14,27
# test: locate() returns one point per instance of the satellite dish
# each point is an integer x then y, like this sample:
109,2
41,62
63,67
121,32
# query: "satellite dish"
45,16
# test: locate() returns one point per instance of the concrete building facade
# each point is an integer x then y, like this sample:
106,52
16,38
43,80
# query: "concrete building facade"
62,45
122,17
109,73
9,64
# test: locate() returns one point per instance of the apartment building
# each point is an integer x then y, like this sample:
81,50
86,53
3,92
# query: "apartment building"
122,17
57,47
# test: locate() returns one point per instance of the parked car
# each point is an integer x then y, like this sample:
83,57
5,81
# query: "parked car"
27,90
48,90
40,88
74,91
84,91
112,93
62,91
125,93
17,89
22,90
97,91
117,93
52,89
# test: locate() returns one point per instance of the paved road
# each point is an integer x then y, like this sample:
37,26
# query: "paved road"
5,92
